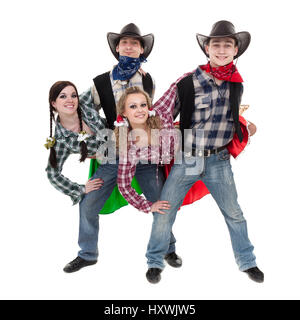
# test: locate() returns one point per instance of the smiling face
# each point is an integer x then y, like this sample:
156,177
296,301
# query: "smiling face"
221,51
136,109
130,47
67,101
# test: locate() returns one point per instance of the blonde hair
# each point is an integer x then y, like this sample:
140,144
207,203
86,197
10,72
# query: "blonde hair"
152,122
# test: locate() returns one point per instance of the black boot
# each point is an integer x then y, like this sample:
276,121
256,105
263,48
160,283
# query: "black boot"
173,260
153,275
77,264
255,274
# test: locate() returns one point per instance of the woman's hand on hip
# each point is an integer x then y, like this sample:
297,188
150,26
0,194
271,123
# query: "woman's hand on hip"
160,205
93,185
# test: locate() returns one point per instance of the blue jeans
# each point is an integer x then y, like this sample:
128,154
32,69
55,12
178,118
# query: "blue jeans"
93,202
215,171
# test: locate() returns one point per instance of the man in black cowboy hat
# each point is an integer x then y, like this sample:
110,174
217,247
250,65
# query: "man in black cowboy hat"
130,48
207,100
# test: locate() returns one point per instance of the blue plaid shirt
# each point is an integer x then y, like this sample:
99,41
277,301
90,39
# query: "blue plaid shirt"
212,113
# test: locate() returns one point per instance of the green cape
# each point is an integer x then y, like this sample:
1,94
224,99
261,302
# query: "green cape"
115,200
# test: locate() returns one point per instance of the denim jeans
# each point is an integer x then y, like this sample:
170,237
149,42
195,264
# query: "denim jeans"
215,171
93,202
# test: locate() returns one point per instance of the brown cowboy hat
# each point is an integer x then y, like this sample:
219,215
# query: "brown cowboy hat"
130,30
223,29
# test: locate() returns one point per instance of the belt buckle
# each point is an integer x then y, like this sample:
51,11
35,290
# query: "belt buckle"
208,153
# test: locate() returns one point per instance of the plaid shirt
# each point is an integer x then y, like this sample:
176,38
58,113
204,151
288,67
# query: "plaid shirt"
119,87
161,153
212,113
67,143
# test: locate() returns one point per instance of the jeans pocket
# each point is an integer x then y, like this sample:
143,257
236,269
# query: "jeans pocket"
223,155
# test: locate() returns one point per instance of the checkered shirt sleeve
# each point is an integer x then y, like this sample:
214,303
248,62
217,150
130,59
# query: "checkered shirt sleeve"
166,104
59,181
166,107
126,173
86,98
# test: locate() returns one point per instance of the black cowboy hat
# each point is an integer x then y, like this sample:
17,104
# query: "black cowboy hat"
223,29
130,30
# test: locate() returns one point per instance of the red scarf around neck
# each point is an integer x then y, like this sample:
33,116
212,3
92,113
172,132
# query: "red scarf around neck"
227,73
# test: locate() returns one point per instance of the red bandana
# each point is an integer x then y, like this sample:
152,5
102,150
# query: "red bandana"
227,73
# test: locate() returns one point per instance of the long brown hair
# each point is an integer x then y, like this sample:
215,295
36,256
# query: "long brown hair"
152,122
54,92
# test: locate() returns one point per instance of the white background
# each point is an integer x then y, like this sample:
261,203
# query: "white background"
46,41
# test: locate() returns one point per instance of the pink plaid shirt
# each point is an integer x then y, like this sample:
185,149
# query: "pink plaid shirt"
161,153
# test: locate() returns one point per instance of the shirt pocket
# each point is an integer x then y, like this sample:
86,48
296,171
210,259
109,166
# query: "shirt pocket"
202,108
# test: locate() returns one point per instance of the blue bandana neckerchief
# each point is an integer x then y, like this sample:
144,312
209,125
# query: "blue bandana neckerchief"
127,67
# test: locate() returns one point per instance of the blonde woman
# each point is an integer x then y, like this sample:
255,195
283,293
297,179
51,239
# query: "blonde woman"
137,131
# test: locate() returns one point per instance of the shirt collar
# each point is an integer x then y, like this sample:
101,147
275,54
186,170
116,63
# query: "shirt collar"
206,81
203,77
60,131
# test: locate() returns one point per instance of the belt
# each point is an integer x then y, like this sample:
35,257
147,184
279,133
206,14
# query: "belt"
205,153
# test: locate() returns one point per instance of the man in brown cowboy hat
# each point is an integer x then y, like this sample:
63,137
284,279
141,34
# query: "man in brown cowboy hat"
208,100
130,48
